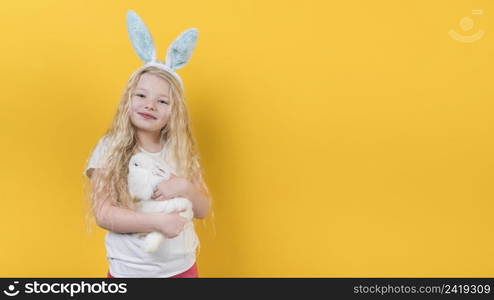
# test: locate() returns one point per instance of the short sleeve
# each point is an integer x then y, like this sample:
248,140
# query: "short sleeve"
97,156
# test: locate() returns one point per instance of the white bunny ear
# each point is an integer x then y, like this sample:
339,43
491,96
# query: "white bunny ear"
181,49
140,37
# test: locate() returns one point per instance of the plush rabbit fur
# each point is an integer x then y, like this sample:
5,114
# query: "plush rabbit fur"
145,173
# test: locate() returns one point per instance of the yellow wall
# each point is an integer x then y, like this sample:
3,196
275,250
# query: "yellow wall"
339,138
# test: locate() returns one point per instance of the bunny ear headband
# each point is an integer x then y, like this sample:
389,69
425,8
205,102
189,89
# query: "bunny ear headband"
178,54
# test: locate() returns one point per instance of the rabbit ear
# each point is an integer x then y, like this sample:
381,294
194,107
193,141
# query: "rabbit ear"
140,37
181,49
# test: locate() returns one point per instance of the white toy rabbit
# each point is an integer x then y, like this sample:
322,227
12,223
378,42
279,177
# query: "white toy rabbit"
145,173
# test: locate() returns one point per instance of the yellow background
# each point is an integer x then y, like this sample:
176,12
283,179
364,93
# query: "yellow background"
339,139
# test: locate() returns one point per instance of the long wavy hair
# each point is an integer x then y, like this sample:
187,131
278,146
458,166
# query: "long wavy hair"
176,136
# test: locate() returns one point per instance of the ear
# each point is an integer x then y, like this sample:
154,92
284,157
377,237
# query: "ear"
140,37
181,49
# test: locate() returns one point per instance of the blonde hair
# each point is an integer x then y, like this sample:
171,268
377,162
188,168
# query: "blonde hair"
179,143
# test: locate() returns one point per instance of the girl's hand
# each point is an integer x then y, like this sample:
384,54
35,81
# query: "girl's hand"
172,188
170,224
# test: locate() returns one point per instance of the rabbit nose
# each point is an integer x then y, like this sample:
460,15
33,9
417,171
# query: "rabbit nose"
159,172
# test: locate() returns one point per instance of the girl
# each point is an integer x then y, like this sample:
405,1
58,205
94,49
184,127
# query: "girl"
151,118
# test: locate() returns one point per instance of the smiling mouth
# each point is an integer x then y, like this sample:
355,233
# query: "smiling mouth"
146,116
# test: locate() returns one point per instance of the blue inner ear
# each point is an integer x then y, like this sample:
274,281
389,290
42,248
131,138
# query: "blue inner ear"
140,37
181,49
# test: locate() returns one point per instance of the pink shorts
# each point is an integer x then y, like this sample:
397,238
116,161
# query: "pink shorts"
190,273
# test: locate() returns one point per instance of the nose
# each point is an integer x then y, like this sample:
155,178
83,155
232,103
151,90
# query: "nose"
149,105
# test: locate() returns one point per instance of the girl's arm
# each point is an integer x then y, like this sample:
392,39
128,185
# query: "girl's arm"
201,203
122,220
181,187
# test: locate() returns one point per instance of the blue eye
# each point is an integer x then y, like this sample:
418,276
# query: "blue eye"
163,101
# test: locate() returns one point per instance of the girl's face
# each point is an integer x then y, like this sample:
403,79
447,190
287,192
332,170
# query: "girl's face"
151,105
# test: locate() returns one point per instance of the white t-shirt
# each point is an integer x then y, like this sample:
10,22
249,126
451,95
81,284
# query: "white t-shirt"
125,254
